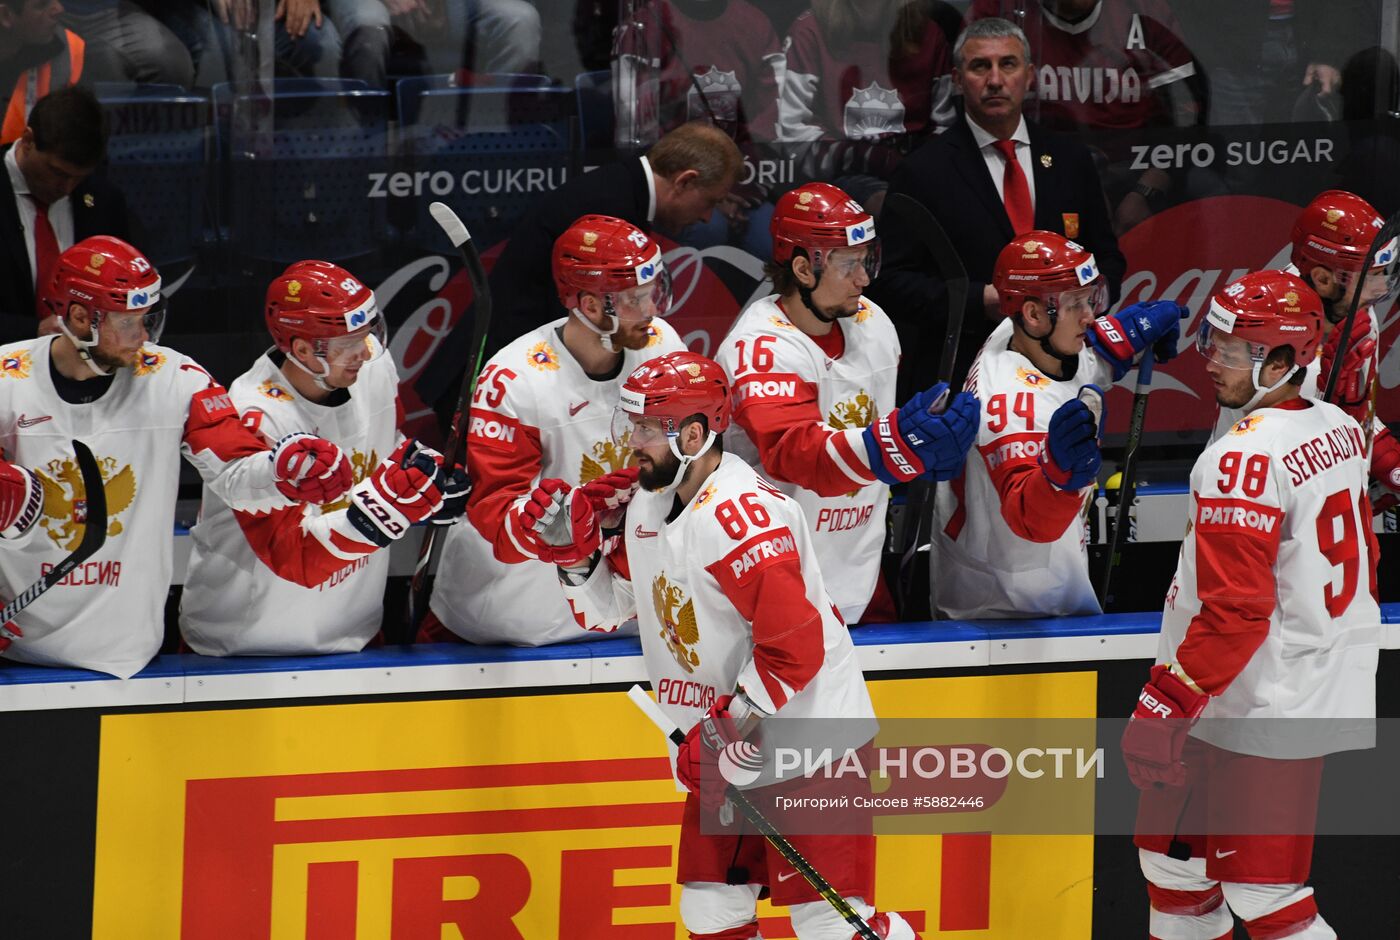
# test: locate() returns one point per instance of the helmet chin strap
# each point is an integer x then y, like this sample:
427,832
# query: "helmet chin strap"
805,293
1262,393
318,378
1068,364
685,461
84,346
604,336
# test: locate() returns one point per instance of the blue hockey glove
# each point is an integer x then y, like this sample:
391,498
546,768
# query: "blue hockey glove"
1070,459
1119,337
909,442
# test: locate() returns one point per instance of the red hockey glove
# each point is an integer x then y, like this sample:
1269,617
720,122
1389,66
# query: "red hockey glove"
890,926
456,487
1354,380
309,469
1152,742
1385,472
401,491
563,524
697,759
21,499
9,632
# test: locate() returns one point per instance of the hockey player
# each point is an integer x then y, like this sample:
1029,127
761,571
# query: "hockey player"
1008,538
542,409
1330,239
739,628
139,407
327,370
1271,614
813,371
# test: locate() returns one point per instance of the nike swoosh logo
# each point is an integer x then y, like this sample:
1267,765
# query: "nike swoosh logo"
575,409
786,876
30,422
1220,854
641,533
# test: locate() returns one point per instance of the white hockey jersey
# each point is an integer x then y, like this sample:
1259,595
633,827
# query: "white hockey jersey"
248,592
109,613
801,414
727,594
1006,542
1272,609
535,414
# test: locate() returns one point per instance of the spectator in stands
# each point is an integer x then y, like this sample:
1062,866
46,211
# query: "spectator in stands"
126,44
36,55
1111,65
50,199
677,182
717,61
993,175
337,38
478,35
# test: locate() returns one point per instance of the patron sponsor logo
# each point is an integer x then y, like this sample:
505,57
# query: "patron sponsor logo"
491,430
1018,447
1233,514
760,388
745,558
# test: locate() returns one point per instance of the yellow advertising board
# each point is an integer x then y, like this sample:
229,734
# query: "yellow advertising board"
526,816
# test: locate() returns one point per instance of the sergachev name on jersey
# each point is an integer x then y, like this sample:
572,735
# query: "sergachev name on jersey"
1012,447
1217,514
840,520
686,693
745,389
1324,452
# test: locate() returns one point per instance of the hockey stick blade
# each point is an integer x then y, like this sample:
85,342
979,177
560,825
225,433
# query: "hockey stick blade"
94,534
1389,230
918,504
431,546
755,816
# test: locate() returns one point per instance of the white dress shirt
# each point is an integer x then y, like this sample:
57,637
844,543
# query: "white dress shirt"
60,213
996,166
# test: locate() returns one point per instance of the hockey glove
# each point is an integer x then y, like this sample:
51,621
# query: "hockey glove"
1070,458
308,469
563,523
697,758
1156,733
1385,471
9,632
401,491
1119,337
456,487
1354,380
890,926
21,499
911,441
609,496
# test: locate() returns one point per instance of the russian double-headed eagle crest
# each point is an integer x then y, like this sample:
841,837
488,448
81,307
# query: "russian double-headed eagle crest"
605,457
361,465
858,412
677,616
65,500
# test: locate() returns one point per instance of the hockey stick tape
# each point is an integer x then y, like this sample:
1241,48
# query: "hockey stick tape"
1093,400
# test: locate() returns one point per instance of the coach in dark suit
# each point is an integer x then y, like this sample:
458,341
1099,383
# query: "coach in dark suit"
965,179
49,200
679,181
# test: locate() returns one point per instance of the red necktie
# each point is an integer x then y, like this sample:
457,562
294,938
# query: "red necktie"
1015,191
45,255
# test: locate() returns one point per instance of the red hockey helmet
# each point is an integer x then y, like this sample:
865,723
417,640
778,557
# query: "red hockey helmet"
1258,313
661,393
1044,266
328,307
1335,231
614,259
106,276
817,218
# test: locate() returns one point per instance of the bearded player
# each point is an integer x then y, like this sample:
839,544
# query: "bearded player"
1272,614
813,370
140,407
719,569
260,584
542,410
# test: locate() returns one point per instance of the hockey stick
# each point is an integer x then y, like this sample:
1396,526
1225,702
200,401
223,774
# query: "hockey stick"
94,535
1127,483
431,547
918,505
752,813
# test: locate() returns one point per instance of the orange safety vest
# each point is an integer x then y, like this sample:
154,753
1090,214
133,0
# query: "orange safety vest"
61,71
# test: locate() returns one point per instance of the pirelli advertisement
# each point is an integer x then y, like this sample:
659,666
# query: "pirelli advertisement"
525,816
